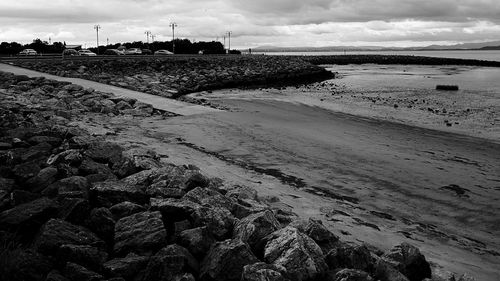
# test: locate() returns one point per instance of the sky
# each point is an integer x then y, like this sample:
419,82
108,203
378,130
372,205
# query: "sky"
253,23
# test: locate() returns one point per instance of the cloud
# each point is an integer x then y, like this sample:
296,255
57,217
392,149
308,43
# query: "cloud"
271,22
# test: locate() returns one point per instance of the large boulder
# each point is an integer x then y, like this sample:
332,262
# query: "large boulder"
225,261
104,152
254,228
71,187
384,270
296,252
56,233
44,178
352,257
74,210
109,193
409,261
102,223
219,221
352,275
197,240
315,229
125,209
88,256
141,233
170,262
127,267
18,264
76,272
30,216
135,160
262,272
206,196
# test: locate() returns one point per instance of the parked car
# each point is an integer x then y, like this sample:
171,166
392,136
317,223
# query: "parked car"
163,52
70,52
28,52
86,52
133,51
147,52
113,52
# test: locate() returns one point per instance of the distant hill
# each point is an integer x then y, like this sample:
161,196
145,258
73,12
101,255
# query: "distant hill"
493,45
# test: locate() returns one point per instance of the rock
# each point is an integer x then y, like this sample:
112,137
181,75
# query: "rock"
25,171
55,275
386,271
219,221
315,229
254,228
57,232
410,262
352,275
19,197
197,240
125,209
169,262
352,257
104,152
262,272
45,177
20,264
72,187
143,178
127,267
109,193
174,209
88,256
225,261
28,217
296,252
102,223
74,210
76,272
209,197
243,192
141,233
135,160
89,167
71,156
53,141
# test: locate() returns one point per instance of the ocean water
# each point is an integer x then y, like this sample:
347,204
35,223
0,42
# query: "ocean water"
491,55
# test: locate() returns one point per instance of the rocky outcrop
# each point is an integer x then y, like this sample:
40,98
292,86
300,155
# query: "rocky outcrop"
179,76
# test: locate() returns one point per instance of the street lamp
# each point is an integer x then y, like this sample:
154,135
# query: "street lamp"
229,35
148,33
173,25
97,27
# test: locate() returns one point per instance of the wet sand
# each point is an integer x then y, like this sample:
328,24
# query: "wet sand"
371,181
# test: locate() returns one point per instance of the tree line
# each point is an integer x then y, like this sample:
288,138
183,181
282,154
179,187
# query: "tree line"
182,46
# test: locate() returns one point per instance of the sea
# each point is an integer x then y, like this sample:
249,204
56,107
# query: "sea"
490,55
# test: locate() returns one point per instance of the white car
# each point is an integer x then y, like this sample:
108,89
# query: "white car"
86,52
163,52
28,52
133,51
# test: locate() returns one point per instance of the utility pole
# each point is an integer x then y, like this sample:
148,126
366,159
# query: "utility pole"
147,35
229,35
107,41
224,42
173,25
153,38
97,27
50,41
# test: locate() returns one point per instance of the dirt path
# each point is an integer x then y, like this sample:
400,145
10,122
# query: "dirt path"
177,107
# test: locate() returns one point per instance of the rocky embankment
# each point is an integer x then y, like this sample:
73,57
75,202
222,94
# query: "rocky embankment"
395,59
76,207
174,77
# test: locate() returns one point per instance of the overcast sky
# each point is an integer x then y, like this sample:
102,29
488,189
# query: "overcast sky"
255,22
